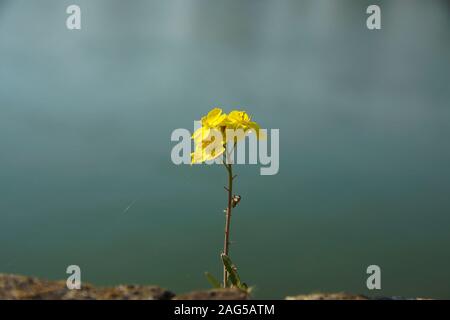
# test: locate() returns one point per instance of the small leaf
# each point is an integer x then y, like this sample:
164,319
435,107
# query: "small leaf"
232,272
248,289
212,280
244,286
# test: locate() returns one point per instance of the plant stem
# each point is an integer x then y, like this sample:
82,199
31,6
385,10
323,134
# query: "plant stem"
226,244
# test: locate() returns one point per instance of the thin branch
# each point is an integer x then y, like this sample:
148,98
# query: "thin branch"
226,244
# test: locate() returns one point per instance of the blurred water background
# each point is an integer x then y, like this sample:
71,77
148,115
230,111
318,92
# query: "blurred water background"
364,119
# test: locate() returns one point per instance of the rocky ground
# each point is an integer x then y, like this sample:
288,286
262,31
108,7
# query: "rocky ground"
15,287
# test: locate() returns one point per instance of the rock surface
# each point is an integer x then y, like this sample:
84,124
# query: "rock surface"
345,296
215,294
16,287
328,296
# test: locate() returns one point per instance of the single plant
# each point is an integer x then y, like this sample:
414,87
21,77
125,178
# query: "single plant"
217,137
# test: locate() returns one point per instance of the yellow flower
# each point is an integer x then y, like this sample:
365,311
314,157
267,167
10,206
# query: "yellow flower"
215,119
207,153
241,120
206,146
214,126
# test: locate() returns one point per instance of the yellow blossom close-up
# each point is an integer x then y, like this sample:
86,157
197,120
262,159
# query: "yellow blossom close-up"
211,138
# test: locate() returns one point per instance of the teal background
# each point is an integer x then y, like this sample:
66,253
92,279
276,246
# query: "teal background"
364,118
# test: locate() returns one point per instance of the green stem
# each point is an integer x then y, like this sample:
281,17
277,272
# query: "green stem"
226,244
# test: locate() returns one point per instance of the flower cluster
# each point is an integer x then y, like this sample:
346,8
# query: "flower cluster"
217,130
